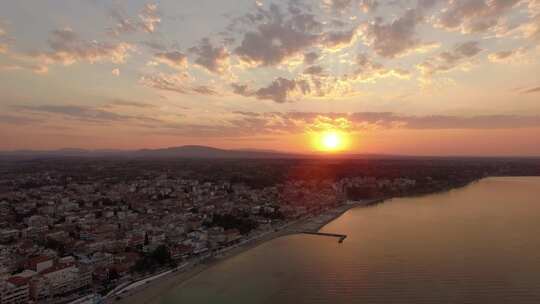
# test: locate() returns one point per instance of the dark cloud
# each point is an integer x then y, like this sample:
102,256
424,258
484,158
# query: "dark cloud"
277,38
314,70
147,21
311,57
395,38
533,90
338,39
130,103
174,59
204,90
280,90
474,16
214,59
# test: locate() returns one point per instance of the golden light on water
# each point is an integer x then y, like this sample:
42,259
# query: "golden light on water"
331,141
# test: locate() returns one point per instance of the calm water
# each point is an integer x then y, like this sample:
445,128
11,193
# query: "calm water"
479,244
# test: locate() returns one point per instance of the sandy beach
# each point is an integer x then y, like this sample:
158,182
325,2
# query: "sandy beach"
152,292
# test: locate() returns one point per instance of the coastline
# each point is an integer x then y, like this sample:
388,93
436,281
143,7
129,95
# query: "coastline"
151,292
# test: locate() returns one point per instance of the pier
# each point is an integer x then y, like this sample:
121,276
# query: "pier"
341,237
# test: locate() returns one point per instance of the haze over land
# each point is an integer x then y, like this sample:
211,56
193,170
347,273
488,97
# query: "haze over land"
426,77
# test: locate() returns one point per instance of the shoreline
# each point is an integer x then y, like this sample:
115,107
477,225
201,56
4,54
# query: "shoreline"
151,292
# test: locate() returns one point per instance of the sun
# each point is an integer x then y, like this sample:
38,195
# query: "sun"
331,141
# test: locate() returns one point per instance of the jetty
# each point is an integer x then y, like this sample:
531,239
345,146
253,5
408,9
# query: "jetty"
341,237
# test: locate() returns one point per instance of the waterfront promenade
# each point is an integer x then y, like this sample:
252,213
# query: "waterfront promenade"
149,290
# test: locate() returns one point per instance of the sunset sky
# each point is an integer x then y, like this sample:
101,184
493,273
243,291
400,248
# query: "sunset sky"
426,77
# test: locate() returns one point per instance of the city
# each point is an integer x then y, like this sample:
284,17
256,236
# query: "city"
81,232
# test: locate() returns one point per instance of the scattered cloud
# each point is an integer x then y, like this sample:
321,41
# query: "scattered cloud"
86,114
149,18
77,112
166,82
474,16
214,59
173,59
342,6
395,38
367,70
507,56
277,38
179,83
460,56
147,21
68,48
280,90
298,122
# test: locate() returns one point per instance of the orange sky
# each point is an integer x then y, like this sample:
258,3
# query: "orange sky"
435,77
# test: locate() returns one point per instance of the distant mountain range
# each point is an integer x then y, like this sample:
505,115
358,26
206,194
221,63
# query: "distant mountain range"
198,152
172,152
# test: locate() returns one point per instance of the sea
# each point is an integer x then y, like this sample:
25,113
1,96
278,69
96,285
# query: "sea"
476,244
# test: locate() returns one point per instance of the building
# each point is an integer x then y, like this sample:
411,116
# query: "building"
15,290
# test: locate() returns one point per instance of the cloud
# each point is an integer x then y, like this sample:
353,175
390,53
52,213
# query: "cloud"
339,39
5,39
474,16
298,122
280,90
368,70
460,55
149,18
395,38
129,103
17,120
87,114
213,59
314,70
342,6
77,112
272,123
204,90
166,82
3,48
179,83
277,38
68,48
311,57
507,56
173,59
147,21
533,90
